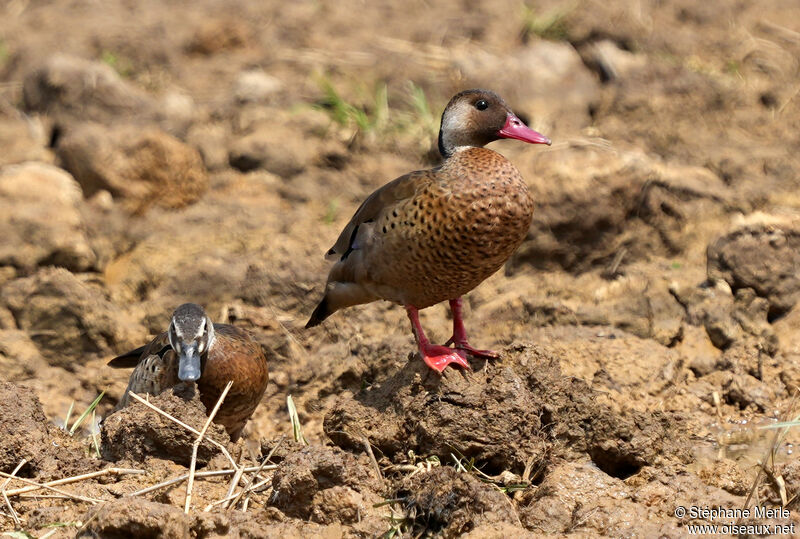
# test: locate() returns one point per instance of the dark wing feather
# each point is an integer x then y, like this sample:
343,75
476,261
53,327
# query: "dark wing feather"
396,190
157,346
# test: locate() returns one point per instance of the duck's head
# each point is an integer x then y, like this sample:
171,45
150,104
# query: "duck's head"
478,117
191,335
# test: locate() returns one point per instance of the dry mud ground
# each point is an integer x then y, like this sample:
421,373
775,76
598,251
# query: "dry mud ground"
155,153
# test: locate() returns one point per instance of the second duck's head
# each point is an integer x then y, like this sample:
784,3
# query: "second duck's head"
478,117
191,335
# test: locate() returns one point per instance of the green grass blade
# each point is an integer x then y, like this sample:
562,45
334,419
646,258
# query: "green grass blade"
86,413
69,414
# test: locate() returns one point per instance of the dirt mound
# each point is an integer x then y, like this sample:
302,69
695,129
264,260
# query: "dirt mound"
300,482
594,202
28,435
329,486
137,518
136,431
502,415
69,315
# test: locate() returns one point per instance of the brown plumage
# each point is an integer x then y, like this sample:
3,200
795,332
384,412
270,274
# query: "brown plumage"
434,235
195,349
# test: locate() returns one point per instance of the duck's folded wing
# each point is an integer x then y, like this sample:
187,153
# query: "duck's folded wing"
390,194
157,346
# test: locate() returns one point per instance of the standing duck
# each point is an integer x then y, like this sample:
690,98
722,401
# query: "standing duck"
434,235
194,349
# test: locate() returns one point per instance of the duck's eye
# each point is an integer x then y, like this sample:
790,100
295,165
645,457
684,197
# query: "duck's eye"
481,104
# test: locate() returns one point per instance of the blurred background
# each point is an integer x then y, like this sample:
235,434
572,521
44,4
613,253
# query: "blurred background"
158,152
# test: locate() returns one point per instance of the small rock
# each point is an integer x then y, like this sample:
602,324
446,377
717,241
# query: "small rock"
255,86
272,150
40,216
752,314
142,167
68,88
728,475
702,365
744,390
711,305
176,112
217,35
211,140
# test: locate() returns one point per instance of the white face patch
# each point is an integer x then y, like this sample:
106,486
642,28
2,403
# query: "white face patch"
177,329
455,121
201,329
172,335
459,124
211,335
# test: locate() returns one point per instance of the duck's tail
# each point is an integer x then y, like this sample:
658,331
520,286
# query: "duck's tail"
339,295
320,313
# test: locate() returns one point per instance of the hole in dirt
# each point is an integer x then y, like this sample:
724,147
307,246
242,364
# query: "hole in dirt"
55,136
773,314
614,464
335,160
768,100
244,163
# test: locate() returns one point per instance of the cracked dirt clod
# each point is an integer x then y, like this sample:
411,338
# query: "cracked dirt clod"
764,256
325,484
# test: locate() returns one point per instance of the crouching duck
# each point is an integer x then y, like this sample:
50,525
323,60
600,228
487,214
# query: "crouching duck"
194,349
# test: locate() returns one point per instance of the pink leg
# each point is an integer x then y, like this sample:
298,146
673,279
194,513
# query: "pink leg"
436,357
459,338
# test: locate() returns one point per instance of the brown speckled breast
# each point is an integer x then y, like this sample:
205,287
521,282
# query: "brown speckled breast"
463,223
234,356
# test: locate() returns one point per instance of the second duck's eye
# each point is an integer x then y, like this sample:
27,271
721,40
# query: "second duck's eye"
481,104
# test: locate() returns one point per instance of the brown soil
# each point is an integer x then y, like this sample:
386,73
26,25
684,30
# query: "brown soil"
190,151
